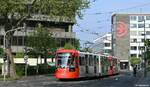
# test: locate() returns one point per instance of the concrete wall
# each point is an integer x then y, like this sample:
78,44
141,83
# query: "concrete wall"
31,61
121,36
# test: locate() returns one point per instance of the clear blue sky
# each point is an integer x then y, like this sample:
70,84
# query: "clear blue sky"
97,19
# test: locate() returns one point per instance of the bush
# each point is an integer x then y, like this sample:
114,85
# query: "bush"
31,70
46,69
148,67
20,69
1,68
19,55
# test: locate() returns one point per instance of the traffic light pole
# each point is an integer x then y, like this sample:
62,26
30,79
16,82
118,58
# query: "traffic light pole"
4,73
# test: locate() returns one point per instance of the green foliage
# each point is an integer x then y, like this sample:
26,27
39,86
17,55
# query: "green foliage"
19,55
134,61
69,46
147,44
42,69
1,68
87,50
1,52
67,8
41,40
77,44
20,70
12,6
15,12
31,70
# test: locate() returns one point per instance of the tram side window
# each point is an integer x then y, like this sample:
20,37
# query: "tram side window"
76,61
91,61
86,59
81,60
95,60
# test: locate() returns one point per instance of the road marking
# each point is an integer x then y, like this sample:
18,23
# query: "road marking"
142,85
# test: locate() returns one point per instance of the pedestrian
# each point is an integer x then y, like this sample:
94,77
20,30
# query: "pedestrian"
134,71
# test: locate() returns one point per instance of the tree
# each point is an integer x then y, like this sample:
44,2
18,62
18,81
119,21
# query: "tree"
147,44
87,49
77,44
15,12
1,52
69,46
41,41
62,8
134,61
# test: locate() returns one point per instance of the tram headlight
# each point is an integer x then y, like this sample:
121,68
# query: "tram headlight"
71,68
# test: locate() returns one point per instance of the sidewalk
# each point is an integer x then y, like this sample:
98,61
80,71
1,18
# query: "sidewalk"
142,81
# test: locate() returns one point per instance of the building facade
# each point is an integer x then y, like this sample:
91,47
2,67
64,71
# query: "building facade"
61,27
102,45
128,34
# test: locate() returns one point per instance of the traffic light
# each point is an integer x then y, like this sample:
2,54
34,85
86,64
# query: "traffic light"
26,51
5,57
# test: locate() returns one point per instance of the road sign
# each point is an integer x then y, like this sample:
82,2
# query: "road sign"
26,58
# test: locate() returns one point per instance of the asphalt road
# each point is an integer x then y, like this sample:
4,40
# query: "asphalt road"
122,80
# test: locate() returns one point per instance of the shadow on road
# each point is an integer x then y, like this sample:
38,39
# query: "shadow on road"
89,78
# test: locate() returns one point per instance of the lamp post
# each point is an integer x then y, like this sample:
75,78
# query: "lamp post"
4,47
145,62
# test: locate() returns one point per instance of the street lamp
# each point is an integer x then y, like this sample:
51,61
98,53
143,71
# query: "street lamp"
4,47
145,62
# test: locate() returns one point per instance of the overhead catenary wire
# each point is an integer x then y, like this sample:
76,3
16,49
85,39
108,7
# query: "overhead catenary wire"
119,10
88,31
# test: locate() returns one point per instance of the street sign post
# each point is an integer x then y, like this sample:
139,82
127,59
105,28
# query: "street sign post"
26,62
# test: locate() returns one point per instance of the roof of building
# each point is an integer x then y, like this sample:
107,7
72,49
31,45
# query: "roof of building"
131,13
102,37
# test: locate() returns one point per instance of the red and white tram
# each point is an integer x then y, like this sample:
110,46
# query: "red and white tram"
72,64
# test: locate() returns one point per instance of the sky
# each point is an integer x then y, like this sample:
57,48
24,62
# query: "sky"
97,19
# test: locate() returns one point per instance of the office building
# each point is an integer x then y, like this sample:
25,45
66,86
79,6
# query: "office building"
128,34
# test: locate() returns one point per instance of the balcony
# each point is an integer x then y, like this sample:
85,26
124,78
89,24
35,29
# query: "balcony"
63,34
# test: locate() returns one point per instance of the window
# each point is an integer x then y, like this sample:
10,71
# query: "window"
142,40
82,60
133,55
140,55
141,33
141,47
20,41
133,40
147,32
140,18
147,17
148,39
133,48
107,44
86,59
91,61
147,25
140,25
95,60
133,25
133,33
107,51
133,18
